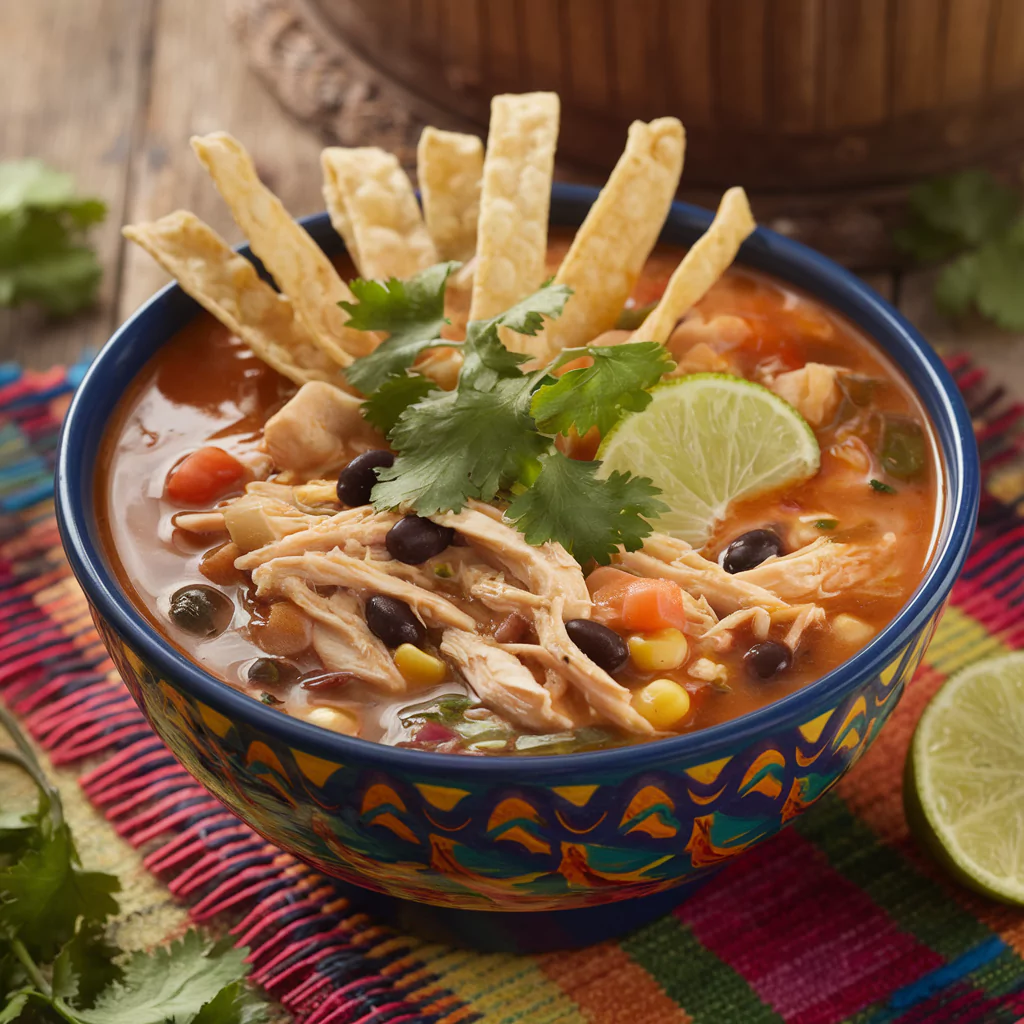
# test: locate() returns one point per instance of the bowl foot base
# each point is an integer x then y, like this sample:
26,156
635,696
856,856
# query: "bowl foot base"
496,931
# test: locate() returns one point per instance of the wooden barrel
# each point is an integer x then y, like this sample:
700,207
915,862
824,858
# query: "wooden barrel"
787,96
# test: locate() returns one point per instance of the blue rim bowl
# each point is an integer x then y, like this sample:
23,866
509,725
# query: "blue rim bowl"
449,830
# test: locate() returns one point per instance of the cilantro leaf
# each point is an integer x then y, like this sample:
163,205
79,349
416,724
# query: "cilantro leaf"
1000,277
599,394
486,359
967,207
85,966
235,1004
46,891
385,406
957,285
18,830
463,444
589,517
173,984
412,314
42,255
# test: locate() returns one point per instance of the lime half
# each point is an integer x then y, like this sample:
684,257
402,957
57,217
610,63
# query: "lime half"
709,439
964,784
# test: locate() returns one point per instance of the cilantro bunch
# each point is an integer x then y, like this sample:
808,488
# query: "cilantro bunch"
56,964
43,255
973,224
493,436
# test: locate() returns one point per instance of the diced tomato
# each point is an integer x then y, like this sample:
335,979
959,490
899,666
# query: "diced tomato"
637,604
204,476
582,449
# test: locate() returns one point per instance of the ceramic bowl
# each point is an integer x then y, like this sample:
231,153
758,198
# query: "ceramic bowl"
523,833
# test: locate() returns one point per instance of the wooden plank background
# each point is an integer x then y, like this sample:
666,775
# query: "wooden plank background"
112,89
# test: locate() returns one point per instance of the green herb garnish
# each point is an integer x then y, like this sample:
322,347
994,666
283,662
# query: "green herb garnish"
882,488
56,963
826,524
43,256
493,436
975,221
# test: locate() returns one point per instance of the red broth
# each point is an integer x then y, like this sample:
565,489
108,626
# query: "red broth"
205,387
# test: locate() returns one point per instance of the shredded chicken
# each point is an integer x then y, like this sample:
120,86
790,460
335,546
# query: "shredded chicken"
318,430
503,683
493,590
708,671
547,569
341,637
824,569
353,531
813,391
677,561
336,569
200,522
693,343
809,615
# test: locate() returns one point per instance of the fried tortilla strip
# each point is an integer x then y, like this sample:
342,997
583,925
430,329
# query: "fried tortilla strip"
701,267
613,243
450,166
512,236
300,267
227,285
373,208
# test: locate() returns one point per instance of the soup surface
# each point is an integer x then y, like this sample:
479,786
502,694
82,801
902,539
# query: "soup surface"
833,557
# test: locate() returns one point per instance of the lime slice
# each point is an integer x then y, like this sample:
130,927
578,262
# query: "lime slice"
709,439
963,787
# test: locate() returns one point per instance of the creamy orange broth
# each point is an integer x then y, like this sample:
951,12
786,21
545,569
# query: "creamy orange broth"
205,387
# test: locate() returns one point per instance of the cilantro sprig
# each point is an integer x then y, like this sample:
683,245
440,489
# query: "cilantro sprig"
974,225
56,963
493,436
43,254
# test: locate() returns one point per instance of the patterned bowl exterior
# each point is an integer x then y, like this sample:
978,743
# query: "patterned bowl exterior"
522,833
468,843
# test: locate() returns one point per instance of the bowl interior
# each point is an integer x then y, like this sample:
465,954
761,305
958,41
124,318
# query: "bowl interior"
170,310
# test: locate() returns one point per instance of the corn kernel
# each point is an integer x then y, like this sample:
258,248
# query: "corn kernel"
658,652
852,630
334,719
663,702
419,668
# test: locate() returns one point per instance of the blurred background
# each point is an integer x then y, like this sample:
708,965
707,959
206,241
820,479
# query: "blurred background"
835,114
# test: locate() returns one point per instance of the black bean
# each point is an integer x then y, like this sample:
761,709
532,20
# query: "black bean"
767,659
393,622
603,646
413,539
201,611
357,479
271,671
751,549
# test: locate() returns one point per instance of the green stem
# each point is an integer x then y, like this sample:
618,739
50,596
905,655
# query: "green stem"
14,731
26,961
50,796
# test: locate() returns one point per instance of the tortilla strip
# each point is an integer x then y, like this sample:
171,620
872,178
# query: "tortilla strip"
373,208
227,285
701,267
300,267
449,166
613,243
512,235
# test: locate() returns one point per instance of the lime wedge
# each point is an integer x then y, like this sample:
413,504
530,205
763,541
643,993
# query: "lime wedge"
964,783
709,439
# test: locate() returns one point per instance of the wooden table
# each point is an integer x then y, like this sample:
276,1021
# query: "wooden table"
112,90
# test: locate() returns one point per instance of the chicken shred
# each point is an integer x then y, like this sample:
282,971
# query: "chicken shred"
503,683
813,391
318,430
341,637
336,569
824,569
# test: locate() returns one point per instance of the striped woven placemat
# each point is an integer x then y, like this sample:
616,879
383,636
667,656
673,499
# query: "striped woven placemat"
840,918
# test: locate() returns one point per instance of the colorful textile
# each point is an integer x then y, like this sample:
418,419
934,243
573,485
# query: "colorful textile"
841,918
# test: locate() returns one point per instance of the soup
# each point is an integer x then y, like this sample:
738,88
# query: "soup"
251,513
